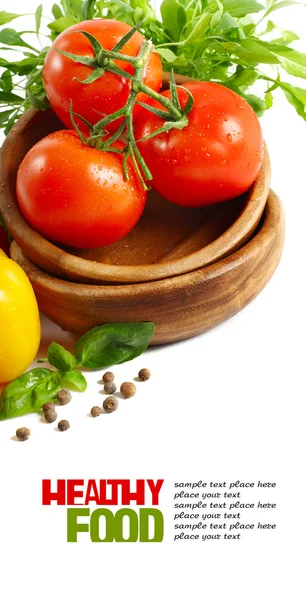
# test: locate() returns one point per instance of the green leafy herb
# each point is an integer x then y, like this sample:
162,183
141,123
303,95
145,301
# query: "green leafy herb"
60,358
207,40
74,380
6,17
112,344
29,392
101,347
38,15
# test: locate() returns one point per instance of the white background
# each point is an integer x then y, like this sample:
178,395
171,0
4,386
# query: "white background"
227,405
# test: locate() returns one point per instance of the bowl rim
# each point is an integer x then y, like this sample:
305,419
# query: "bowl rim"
60,262
273,219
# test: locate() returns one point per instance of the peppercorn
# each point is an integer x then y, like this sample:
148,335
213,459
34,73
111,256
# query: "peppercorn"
48,406
110,404
110,387
23,434
96,411
144,374
107,377
128,389
50,416
63,425
64,396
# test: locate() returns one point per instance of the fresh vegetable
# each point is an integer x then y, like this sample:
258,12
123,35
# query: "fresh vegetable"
228,41
19,320
105,345
215,158
77,195
94,92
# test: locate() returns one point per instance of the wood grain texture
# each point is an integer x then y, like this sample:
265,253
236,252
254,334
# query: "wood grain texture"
181,306
169,239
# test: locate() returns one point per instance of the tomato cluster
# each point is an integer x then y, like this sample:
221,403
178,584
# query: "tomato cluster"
83,194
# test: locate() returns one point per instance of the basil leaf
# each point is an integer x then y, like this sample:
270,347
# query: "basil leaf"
60,358
38,15
6,17
29,392
74,380
112,344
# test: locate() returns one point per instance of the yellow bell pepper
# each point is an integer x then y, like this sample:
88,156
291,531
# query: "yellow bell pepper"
19,320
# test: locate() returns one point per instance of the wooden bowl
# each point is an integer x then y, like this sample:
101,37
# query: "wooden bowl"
180,306
169,239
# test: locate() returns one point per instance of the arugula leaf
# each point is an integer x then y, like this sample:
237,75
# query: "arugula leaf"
4,115
37,102
241,8
9,98
88,9
203,39
38,15
61,24
10,37
167,54
174,18
6,17
56,11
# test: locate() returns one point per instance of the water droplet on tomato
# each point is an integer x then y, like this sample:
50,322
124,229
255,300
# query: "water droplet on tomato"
229,138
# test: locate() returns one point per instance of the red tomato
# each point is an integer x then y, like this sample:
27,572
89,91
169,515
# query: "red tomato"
4,241
215,158
108,93
77,195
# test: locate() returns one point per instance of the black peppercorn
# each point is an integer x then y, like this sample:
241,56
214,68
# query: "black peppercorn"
144,374
110,387
48,406
64,396
107,377
63,425
110,404
23,434
50,416
128,389
96,411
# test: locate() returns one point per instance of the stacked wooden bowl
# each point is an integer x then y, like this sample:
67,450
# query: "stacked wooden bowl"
184,269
